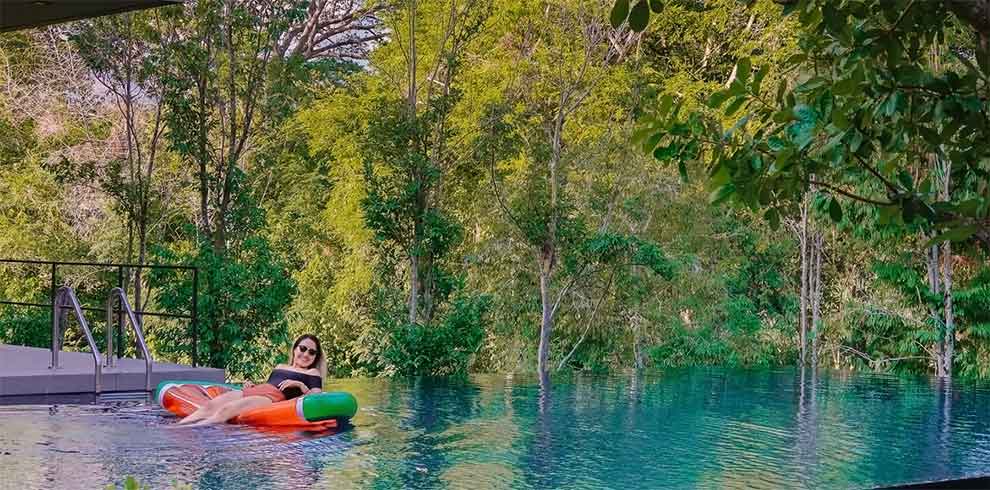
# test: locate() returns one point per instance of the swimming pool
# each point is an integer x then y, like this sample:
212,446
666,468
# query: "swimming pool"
685,429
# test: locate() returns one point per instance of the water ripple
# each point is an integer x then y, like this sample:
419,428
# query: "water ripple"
686,429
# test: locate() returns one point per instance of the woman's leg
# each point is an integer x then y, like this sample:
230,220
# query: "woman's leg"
234,409
213,406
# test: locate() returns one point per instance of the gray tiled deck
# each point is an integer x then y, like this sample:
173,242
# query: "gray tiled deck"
24,371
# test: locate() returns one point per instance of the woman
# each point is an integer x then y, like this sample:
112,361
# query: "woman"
304,375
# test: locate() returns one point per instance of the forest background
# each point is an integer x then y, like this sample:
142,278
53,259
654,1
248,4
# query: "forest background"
449,186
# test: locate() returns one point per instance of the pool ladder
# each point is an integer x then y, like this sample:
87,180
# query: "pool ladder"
65,298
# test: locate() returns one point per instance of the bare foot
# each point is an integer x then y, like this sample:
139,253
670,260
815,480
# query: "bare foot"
204,422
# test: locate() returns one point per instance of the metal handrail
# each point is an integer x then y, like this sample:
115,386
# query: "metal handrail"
194,325
58,304
118,294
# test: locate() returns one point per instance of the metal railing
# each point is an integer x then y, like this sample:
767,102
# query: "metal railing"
192,316
117,294
58,333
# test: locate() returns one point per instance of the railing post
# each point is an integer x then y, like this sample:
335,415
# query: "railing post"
56,299
111,359
120,316
51,296
195,322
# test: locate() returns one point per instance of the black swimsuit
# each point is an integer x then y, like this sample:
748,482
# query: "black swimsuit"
279,375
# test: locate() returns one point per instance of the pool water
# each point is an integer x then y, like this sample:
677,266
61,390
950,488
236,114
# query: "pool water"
701,428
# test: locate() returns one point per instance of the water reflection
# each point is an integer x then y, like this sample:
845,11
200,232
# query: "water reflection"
704,428
807,425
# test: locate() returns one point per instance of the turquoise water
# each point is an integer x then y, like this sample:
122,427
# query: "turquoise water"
685,429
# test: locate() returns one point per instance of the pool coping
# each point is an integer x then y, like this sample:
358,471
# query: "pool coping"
26,371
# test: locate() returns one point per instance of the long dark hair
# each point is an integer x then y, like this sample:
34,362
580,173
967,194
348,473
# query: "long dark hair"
319,362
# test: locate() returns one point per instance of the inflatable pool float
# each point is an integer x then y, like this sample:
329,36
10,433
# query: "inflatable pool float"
318,411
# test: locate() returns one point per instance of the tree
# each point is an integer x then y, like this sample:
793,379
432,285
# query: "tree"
853,114
334,30
564,58
121,54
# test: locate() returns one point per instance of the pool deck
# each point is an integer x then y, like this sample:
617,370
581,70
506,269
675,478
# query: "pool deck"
25,371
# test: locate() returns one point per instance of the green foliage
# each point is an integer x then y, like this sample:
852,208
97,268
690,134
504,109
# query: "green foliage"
242,300
517,145
853,112
401,172
23,326
752,325
886,335
447,347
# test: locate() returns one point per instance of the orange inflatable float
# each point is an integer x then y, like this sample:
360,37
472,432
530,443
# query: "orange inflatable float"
318,411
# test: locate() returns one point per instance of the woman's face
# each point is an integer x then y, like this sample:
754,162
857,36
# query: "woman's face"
304,353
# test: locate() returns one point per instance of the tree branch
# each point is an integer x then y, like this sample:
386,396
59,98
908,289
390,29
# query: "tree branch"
849,194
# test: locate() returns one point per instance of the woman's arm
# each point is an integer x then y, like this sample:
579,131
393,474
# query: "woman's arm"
290,383
317,384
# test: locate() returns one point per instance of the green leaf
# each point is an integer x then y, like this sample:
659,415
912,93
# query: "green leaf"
666,152
719,176
656,6
721,194
734,106
790,8
652,142
970,207
696,125
796,59
840,119
887,214
775,143
781,89
619,13
835,211
783,116
845,86
666,102
832,142
682,169
802,130
784,157
905,179
855,140
773,217
758,79
717,98
639,16
743,69
954,235
892,104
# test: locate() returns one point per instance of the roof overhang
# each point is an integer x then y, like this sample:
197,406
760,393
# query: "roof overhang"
23,14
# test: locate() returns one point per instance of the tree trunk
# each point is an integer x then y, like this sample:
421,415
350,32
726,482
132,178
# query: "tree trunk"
935,284
950,330
426,302
142,255
413,287
546,324
638,341
803,310
548,251
204,187
414,258
949,322
816,293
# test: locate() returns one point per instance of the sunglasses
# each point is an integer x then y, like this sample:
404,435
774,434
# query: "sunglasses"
303,349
